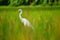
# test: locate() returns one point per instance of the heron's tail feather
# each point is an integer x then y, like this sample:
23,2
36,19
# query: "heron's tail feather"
33,28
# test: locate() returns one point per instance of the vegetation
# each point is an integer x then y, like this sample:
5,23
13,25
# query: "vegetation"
45,21
44,15
29,2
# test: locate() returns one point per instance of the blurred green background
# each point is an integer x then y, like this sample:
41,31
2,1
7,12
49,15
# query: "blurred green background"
44,15
29,2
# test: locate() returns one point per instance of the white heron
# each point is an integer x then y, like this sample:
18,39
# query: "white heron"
24,20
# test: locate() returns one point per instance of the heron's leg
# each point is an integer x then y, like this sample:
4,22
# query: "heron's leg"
24,24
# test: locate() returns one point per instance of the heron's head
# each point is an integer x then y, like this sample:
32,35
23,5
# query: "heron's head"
20,11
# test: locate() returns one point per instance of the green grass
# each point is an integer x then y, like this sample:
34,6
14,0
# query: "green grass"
46,22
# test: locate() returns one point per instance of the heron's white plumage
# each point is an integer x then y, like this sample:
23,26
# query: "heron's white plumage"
24,20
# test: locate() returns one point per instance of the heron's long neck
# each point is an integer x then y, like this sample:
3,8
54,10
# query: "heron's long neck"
20,15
